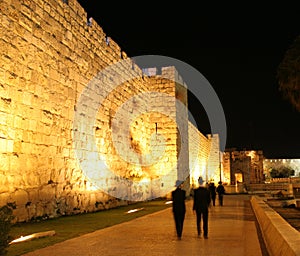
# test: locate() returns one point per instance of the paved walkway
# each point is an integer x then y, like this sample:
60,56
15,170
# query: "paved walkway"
232,231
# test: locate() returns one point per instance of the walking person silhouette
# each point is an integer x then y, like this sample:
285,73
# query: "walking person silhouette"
178,207
221,192
213,192
201,203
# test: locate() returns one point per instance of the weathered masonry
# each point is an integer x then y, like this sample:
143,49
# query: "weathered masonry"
60,156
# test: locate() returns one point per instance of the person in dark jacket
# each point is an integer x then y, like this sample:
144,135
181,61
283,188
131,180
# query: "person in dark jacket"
221,192
178,207
201,204
213,192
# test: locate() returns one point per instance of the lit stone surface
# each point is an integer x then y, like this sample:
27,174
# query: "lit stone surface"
49,55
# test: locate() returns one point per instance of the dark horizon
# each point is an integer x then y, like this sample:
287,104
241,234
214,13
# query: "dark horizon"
238,52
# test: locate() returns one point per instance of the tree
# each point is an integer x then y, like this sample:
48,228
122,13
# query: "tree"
282,172
288,74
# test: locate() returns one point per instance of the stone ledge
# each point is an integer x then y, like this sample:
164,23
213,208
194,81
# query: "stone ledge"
279,236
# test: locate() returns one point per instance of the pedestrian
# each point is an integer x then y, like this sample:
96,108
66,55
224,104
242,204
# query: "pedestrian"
192,191
221,192
201,204
213,192
178,207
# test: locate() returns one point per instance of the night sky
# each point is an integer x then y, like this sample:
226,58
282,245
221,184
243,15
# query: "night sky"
236,48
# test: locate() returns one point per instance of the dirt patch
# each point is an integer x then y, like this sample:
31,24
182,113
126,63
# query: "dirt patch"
291,215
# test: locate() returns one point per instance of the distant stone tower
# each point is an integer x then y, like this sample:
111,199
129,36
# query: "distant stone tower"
244,166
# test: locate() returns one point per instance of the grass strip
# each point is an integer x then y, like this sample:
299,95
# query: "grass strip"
67,227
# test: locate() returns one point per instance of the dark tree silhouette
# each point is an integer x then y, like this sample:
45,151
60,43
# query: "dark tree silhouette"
288,74
282,172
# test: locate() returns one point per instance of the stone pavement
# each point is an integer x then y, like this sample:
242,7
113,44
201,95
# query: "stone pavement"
232,231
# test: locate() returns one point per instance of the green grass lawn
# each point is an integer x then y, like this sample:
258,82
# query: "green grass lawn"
67,227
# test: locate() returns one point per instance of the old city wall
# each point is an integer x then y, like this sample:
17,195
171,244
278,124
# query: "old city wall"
214,158
38,91
49,58
204,158
170,117
198,155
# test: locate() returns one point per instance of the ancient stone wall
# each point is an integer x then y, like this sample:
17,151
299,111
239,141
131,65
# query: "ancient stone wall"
49,55
214,158
204,156
78,132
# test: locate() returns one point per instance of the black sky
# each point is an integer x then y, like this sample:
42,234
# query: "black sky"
237,48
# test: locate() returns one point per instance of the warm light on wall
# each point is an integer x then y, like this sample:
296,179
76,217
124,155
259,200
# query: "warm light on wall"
60,127
252,154
200,170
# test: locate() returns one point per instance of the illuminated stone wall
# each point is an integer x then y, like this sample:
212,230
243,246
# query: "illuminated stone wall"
199,150
204,157
213,160
50,56
171,121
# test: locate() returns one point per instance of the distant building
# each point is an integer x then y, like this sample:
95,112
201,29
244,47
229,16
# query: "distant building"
244,166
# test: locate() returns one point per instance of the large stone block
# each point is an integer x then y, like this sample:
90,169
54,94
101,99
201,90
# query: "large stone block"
21,214
4,198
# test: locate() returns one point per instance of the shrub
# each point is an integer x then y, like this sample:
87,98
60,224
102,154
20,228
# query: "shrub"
6,217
